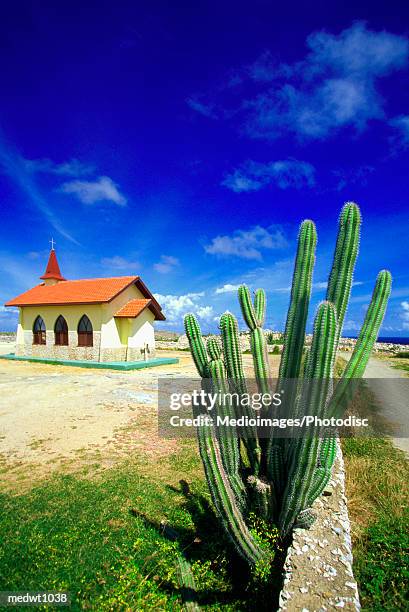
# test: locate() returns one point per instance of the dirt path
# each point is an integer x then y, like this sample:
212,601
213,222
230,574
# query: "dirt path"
392,397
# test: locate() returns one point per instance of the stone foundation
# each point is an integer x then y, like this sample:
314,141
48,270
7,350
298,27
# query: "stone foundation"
53,351
75,352
113,354
138,354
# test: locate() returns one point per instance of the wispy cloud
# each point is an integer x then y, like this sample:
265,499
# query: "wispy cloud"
120,263
73,167
166,264
252,176
358,176
102,189
401,125
334,86
247,244
207,110
14,166
228,288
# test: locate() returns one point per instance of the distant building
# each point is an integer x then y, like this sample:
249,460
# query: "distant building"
100,319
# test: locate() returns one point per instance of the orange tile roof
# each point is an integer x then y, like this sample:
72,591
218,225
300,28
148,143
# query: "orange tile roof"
85,291
133,308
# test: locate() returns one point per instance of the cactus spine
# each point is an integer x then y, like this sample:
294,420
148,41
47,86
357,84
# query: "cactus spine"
282,478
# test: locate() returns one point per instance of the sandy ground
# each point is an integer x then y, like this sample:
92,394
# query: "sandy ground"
54,416
48,413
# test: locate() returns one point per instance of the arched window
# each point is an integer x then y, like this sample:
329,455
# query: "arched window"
39,331
61,331
85,332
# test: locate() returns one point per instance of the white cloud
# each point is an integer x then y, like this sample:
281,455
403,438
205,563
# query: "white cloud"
205,312
176,306
102,189
252,176
247,244
333,87
207,110
73,167
320,285
120,263
166,264
401,124
405,314
228,288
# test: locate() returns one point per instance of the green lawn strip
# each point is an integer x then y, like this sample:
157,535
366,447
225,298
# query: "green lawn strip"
102,541
381,551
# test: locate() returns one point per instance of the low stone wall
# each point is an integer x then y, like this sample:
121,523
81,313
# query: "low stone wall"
318,568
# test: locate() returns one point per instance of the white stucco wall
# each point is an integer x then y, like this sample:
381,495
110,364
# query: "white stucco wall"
111,327
142,331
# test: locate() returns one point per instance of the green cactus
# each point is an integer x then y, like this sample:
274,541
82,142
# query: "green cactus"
254,317
300,297
234,365
346,252
278,479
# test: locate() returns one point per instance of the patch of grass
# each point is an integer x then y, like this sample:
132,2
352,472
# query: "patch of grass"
378,498
384,568
101,539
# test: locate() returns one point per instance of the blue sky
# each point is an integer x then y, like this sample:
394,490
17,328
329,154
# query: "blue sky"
186,141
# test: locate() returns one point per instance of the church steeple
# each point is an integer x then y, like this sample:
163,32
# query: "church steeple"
52,274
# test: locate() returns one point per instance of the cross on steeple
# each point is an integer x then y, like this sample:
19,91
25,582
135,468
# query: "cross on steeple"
52,242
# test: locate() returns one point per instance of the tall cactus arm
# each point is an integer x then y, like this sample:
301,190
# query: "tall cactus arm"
232,351
305,452
299,302
260,359
370,329
355,368
228,443
247,308
234,365
224,498
214,349
260,306
346,252
321,356
254,317
197,347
